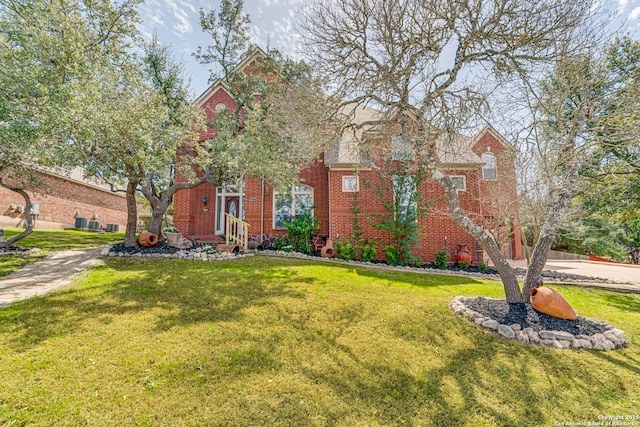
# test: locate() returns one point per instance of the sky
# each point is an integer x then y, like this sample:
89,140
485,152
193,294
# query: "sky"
273,24
176,23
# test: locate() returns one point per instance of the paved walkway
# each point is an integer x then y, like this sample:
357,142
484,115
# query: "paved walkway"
55,270
58,268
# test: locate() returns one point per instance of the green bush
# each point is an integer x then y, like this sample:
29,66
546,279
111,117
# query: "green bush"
482,266
442,258
368,252
345,250
301,228
464,264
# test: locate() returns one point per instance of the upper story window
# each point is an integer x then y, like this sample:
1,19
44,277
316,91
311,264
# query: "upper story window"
489,170
404,192
459,181
287,205
350,184
401,150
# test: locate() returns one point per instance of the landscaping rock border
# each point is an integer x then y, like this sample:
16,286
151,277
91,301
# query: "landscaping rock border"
606,337
19,250
202,253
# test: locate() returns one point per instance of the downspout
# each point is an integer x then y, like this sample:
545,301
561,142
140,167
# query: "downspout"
262,212
329,197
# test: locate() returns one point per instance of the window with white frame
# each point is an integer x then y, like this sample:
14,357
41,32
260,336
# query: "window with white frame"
287,205
489,170
350,184
404,191
459,181
401,150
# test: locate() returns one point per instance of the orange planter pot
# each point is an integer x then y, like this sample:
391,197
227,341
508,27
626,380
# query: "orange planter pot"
549,301
147,239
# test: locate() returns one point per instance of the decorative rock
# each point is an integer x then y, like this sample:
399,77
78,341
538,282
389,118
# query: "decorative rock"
522,336
608,340
534,337
581,343
506,331
556,335
490,324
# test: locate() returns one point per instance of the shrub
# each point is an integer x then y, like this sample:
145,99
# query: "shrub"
442,257
368,252
482,266
301,228
345,250
464,264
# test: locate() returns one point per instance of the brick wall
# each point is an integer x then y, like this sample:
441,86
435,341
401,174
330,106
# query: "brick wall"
61,201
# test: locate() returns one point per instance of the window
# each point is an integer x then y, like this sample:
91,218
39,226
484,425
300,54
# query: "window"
350,184
401,150
460,182
489,170
404,191
286,206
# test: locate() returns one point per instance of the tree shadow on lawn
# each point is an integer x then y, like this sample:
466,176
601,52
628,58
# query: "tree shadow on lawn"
185,294
624,302
487,379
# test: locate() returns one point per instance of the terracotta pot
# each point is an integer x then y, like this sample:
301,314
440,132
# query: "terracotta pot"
549,301
147,239
328,250
463,254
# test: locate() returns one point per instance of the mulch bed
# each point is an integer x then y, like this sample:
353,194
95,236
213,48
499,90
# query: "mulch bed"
527,317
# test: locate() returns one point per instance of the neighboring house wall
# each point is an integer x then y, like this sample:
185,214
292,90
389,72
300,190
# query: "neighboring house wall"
60,200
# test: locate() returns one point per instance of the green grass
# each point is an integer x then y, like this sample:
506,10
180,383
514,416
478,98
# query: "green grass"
52,240
263,341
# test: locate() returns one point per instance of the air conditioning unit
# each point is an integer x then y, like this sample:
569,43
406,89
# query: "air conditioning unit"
35,209
81,223
20,209
94,225
112,228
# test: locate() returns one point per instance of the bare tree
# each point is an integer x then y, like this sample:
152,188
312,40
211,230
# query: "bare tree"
423,65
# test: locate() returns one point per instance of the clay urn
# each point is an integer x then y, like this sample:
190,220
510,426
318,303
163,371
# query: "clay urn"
327,250
549,301
147,239
462,254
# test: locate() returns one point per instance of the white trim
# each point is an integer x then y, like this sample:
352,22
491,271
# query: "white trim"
464,182
293,193
495,166
350,190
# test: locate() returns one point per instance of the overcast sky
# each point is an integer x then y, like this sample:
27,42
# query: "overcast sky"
272,24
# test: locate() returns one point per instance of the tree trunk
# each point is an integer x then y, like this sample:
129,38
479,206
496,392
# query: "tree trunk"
160,203
28,218
508,276
555,216
132,215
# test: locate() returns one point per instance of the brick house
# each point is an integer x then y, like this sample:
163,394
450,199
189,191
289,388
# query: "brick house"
482,166
60,199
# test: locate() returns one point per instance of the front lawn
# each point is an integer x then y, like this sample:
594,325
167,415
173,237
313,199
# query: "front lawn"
52,240
263,341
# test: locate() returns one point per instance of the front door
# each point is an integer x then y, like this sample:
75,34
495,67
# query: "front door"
232,207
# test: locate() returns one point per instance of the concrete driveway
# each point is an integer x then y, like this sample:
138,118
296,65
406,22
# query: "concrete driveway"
620,273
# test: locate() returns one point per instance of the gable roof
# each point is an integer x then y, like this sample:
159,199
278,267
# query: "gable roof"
490,130
220,83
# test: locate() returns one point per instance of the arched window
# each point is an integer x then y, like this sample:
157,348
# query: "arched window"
220,107
287,205
489,170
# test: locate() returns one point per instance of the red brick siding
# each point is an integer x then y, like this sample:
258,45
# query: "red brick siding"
59,199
